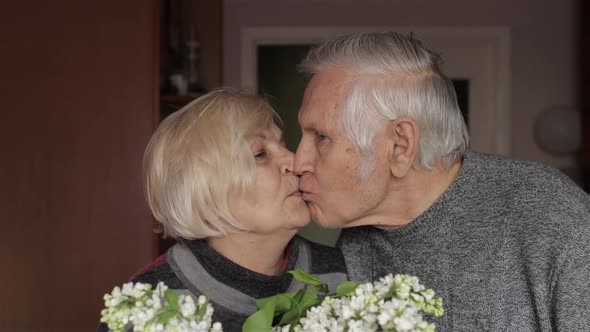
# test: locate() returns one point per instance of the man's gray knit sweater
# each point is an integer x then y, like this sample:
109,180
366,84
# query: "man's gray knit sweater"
507,246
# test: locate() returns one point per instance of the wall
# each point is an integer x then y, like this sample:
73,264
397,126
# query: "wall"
543,44
78,93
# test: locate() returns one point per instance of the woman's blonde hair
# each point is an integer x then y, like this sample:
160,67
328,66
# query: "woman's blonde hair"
197,156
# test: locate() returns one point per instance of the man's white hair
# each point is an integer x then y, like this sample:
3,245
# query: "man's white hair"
392,76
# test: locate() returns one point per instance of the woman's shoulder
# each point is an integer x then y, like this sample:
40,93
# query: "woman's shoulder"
158,271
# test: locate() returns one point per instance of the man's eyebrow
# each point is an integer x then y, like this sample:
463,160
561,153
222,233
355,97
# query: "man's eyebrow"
312,129
308,127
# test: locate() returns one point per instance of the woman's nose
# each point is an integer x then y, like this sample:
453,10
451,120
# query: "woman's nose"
287,161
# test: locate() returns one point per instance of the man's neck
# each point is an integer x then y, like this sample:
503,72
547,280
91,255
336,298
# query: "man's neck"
262,253
412,196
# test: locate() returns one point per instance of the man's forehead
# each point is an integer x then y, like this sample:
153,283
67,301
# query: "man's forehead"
318,117
322,100
328,84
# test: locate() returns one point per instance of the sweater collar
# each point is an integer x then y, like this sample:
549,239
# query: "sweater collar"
226,283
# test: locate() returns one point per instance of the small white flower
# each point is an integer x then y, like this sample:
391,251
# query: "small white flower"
139,305
216,327
187,306
127,289
391,303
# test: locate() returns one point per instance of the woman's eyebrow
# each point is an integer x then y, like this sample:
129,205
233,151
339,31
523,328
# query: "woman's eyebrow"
267,135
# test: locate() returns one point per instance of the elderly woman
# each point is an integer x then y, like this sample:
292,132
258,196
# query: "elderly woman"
219,179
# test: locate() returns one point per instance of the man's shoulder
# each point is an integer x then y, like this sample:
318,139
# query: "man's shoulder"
324,259
543,187
508,167
531,180
505,167
527,201
360,234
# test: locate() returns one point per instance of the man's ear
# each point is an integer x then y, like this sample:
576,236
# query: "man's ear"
403,135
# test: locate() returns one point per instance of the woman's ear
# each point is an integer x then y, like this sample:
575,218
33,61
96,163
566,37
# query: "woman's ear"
403,135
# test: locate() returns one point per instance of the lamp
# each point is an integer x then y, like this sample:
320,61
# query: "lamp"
557,130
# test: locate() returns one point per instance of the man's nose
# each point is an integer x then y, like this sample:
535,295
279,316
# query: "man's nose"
304,156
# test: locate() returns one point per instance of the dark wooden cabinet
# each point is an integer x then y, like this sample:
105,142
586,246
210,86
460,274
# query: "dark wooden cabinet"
181,20
584,80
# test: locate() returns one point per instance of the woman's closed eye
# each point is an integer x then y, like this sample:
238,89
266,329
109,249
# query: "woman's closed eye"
261,154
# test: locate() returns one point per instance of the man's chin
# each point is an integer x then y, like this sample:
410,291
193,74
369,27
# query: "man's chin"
322,219
327,223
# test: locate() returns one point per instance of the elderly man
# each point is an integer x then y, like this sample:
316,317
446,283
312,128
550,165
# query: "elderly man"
384,154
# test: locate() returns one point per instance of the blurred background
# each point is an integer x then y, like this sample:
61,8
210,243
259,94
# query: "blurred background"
85,83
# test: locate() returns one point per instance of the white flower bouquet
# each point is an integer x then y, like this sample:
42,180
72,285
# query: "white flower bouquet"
138,307
392,304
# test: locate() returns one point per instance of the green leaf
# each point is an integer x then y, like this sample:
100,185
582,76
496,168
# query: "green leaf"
166,315
171,298
305,301
322,288
345,288
283,302
310,298
260,303
290,317
202,310
298,295
261,320
306,278
294,310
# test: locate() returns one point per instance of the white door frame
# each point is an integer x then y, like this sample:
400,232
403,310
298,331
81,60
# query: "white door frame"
490,68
